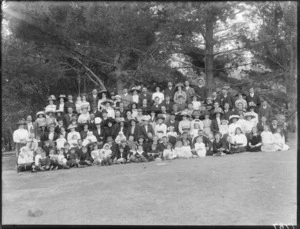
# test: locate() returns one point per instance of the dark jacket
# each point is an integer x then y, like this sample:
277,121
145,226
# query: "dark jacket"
135,134
67,120
142,131
229,99
255,99
202,92
169,92
148,97
56,136
100,137
169,106
125,153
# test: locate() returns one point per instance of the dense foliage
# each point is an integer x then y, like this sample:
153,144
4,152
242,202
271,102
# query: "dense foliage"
72,47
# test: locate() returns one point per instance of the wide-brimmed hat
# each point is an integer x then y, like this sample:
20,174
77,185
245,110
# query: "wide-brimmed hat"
59,118
184,113
103,91
21,122
179,85
84,106
234,116
108,101
249,114
132,119
118,97
98,120
109,120
51,97
198,96
252,106
63,96
72,126
240,92
40,113
209,98
196,113
218,110
83,124
145,118
135,89
49,110
51,125
59,111
224,120
160,116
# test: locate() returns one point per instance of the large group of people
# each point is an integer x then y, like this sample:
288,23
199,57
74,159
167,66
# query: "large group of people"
177,122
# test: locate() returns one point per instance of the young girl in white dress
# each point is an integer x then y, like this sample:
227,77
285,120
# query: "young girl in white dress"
267,140
168,153
279,140
200,147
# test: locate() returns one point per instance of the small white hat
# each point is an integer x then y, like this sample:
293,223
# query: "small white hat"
98,120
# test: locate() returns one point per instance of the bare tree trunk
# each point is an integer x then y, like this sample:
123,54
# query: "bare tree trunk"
209,55
291,84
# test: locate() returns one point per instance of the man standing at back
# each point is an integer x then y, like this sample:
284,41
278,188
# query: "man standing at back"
169,91
190,92
145,95
126,98
253,99
201,90
94,101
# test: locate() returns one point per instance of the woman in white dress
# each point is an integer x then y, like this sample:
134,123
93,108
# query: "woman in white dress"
279,140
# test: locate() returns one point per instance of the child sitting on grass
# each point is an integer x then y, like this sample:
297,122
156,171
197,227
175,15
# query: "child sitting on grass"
154,154
267,140
218,145
96,156
200,147
25,159
106,154
60,142
41,162
168,153
61,160
84,157
73,158
140,155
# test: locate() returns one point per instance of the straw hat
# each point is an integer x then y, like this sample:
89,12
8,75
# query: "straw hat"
49,110
135,89
184,113
249,114
63,96
21,122
234,116
160,116
98,120
224,120
40,113
196,113
51,125
59,111
51,97
71,126
107,101
145,118
103,91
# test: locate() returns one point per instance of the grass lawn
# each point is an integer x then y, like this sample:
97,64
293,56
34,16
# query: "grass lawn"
247,188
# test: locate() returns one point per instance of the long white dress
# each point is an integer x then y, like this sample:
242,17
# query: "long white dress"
200,149
279,142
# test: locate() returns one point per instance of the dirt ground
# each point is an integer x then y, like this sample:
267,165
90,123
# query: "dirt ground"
249,188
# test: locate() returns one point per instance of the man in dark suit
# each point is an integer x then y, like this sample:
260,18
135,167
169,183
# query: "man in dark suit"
59,125
169,91
201,90
167,103
216,98
173,122
68,117
145,95
227,111
98,131
145,128
29,125
265,111
253,99
190,92
70,103
226,98
93,100
133,129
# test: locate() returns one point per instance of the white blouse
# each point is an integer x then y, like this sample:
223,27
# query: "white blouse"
267,137
159,95
232,127
239,139
135,98
20,134
196,105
